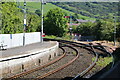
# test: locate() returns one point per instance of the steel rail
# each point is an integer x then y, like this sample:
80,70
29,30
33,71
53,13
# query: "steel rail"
51,72
90,67
99,47
38,68
103,47
62,67
84,72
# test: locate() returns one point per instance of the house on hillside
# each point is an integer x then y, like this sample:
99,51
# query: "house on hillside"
75,24
82,21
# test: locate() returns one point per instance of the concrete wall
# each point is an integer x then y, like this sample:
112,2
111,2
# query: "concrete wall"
14,66
15,40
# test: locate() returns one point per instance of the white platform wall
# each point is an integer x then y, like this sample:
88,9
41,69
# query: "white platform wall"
15,40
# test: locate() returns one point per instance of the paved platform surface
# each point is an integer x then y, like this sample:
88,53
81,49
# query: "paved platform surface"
25,49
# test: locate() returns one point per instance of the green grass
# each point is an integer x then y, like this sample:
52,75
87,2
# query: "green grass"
50,37
102,62
32,6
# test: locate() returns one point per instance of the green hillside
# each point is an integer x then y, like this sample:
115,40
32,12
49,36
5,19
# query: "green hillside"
98,10
49,6
32,6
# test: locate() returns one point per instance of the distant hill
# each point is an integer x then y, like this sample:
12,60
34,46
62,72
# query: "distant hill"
32,6
98,10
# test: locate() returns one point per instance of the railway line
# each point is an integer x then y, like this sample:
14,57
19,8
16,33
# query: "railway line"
98,50
84,60
65,59
76,61
68,59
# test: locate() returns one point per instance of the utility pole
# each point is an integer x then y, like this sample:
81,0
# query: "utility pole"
114,31
70,27
18,4
24,22
41,21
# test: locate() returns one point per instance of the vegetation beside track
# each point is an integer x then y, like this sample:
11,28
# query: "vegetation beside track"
103,61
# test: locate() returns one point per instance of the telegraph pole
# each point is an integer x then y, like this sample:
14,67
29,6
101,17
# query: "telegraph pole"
70,27
41,21
114,31
18,4
24,22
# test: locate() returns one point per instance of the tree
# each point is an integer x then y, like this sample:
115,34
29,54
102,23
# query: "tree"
107,30
97,29
33,23
11,22
0,17
76,16
38,12
85,29
55,23
101,30
12,19
118,31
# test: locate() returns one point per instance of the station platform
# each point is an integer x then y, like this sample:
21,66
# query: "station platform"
25,49
18,59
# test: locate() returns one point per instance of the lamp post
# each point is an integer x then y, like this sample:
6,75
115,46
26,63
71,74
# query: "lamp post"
24,22
41,20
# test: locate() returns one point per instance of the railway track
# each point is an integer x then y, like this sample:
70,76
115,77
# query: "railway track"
84,60
68,60
54,66
35,69
74,54
97,50
102,52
